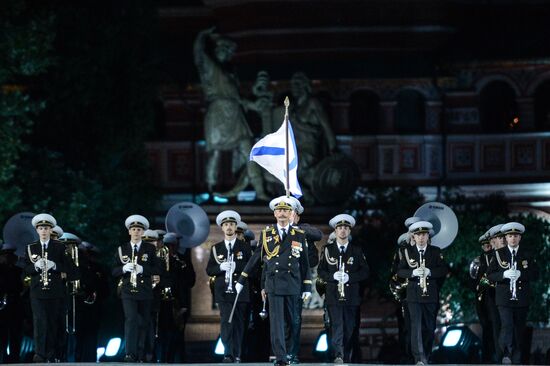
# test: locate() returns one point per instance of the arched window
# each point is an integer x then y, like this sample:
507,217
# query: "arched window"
542,106
410,112
364,113
498,109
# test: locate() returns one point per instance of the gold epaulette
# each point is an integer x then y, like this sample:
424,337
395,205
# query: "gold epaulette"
501,263
299,230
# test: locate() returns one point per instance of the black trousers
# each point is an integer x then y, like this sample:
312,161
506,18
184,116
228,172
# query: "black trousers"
489,320
232,333
137,315
294,323
423,317
512,322
46,315
404,324
281,310
342,325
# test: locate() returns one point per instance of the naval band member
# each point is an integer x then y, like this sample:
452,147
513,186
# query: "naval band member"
285,272
343,266
423,266
513,269
227,260
136,264
45,261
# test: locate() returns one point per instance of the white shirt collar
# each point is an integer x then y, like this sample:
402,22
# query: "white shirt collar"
419,249
280,228
138,245
512,249
340,245
227,243
45,243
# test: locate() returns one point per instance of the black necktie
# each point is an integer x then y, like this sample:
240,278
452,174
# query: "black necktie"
421,251
342,249
283,234
230,248
513,256
134,250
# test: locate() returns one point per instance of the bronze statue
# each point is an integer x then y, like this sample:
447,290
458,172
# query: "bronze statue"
225,125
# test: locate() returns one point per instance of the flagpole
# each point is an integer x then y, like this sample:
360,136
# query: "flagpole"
287,189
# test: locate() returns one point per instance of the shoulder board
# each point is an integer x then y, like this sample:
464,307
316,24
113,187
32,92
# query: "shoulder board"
298,230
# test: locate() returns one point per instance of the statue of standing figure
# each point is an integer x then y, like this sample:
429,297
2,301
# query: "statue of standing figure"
225,125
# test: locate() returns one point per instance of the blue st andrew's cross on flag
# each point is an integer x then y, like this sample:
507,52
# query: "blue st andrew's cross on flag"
269,153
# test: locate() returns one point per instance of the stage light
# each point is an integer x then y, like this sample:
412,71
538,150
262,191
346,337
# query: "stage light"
452,337
99,353
218,199
321,349
459,345
322,343
113,346
219,349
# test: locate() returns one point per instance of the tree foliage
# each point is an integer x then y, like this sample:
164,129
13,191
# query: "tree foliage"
86,163
26,42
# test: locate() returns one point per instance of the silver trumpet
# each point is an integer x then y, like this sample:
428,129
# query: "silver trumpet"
133,274
423,280
229,276
44,275
341,285
513,285
263,313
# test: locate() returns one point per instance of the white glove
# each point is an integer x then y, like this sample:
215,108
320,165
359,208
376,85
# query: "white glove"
427,272
227,266
418,272
139,268
518,273
345,278
128,267
510,274
238,287
39,264
50,264
337,276
306,295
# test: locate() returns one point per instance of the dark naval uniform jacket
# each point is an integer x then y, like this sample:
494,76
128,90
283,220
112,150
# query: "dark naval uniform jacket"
56,254
355,266
500,262
433,259
241,255
286,264
147,257
312,235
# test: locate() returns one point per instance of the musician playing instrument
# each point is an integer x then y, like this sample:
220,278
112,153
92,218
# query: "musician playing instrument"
45,261
136,264
176,301
485,296
227,260
513,269
343,267
423,265
152,237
